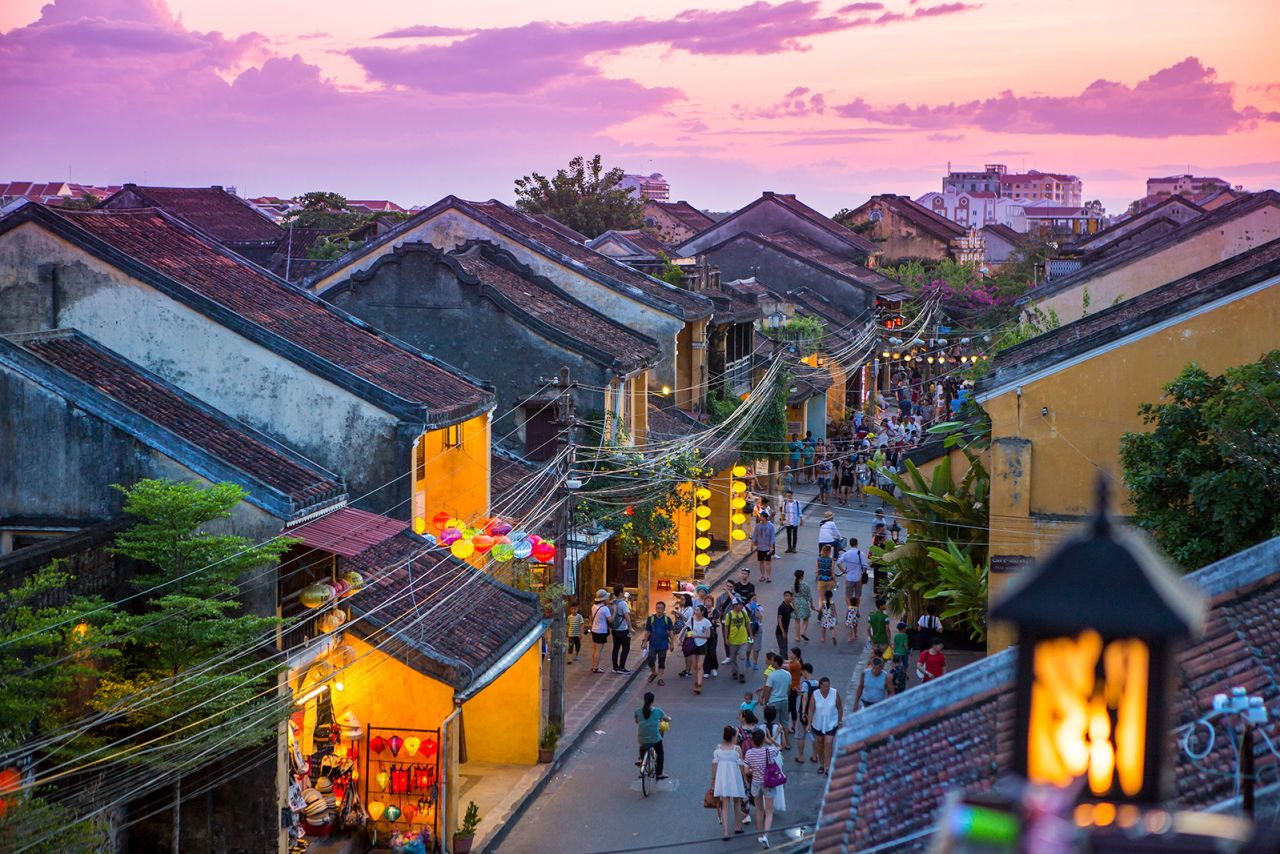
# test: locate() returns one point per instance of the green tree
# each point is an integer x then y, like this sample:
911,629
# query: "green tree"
671,272
322,209
586,197
54,644
1205,481
87,202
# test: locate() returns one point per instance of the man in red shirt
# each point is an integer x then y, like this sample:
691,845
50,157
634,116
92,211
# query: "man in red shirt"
932,663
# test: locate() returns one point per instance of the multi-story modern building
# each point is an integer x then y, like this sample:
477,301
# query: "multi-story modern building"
1033,185
986,181
976,209
647,188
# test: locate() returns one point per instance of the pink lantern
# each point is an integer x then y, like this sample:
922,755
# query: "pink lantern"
499,528
449,536
534,539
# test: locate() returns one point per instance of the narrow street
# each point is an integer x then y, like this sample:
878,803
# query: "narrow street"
595,804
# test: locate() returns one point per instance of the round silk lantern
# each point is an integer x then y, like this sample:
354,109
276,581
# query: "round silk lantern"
738,534
429,747
383,779
702,560
535,539
411,744
395,743
702,493
355,579
499,528
738,486
393,812
455,522
340,588
440,521
703,543
703,524
544,552
738,518
738,503
449,536
702,511
522,549
503,551
462,549
410,812
419,525
377,744
739,471
482,542
376,808
314,595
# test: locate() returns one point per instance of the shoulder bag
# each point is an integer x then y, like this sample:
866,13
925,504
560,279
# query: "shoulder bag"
773,776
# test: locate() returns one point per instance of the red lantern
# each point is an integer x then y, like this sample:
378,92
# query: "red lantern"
630,511
409,812
544,552
429,747
377,744
482,542
441,520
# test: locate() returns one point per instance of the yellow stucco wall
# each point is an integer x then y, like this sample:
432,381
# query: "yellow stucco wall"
1044,468
503,722
1180,259
454,479
678,564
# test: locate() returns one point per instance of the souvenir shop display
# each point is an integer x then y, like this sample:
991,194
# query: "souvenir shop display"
402,778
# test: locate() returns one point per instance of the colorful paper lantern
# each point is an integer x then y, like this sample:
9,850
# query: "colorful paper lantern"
738,518
411,744
703,525
482,542
702,511
456,523
534,538
702,559
429,747
355,579
738,486
544,552
383,779
393,812
470,532
377,744
522,549
738,503
702,493
440,521
499,528
395,743
462,549
739,471
703,543
376,809
419,525
315,595
449,536
503,551
738,534
410,812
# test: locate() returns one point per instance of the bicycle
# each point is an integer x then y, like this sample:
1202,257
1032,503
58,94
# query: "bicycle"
649,771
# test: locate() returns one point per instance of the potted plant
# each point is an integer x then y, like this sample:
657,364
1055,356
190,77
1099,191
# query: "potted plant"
547,746
466,833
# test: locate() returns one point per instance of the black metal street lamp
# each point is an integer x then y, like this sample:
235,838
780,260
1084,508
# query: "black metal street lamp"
1098,623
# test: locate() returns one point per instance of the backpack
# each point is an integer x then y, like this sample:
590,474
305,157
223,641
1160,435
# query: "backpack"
619,622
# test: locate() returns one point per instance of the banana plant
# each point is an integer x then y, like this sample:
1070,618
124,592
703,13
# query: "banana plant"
962,585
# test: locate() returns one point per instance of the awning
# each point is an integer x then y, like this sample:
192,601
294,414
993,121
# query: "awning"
347,531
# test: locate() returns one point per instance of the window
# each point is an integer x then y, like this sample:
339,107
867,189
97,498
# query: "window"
420,460
875,216
452,436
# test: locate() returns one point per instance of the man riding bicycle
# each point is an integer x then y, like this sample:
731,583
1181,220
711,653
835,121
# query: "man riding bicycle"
650,724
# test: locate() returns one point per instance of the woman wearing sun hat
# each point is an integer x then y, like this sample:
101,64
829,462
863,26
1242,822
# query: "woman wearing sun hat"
601,617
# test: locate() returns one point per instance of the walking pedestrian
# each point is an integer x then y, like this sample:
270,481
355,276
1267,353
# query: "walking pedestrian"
711,661
601,616
852,564
794,450
759,758
697,632
803,734
777,686
878,626
573,631
802,605
824,470
621,629
807,449
792,517
932,662
756,613
743,588
764,539
649,720
901,658
873,682
737,633
827,618
825,572
783,626
795,668
727,780
929,626
825,717
658,629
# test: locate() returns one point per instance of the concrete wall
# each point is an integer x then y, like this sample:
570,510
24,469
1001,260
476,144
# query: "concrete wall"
900,238
421,302
781,274
451,228
1044,468
1173,262
319,419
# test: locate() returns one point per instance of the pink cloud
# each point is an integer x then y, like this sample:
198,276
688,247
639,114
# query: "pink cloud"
861,7
1183,99
424,31
945,137
794,103
944,9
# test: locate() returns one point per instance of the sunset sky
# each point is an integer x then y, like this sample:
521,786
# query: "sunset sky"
831,100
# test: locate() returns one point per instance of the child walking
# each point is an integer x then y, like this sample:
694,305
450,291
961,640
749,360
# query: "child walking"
573,628
851,619
827,618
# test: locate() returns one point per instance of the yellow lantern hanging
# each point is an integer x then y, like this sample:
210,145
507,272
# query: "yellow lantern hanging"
738,518
702,494
739,471
703,525
738,534
702,559
703,543
738,503
702,511
739,486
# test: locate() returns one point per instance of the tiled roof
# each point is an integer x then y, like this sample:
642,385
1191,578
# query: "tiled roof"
1156,305
224,216
671,424
806,382
557,225
443,617
896,762
799,208
1211,220
645,244
686,213
1005,233
509,477
155,240
347,531
527,295
691,305
147,396
1152,212
798,245
842,328
920,216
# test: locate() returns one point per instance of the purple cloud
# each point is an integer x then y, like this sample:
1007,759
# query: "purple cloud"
522,59
945,137
861,7
944,9
424,31
1183,99
794,103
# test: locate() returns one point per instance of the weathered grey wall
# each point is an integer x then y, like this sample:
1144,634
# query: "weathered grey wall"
420,301
305,411
782,274
451,229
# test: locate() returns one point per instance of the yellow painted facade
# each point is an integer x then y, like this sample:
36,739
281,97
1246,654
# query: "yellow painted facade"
451,472
1044,467
1169,264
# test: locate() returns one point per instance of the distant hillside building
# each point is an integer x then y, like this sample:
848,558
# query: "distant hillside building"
1184,185
647,188
1033,185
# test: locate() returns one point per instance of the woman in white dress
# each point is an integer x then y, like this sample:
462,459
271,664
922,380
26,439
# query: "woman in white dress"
727,780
